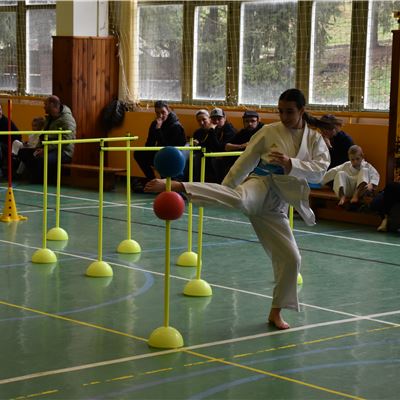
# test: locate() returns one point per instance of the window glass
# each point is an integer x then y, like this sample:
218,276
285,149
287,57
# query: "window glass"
8,51
160,52
209,59
330,52
267,51
379,53
41,26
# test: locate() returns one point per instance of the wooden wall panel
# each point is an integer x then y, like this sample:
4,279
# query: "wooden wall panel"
85,77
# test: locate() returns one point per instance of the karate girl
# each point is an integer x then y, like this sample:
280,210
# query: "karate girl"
271,173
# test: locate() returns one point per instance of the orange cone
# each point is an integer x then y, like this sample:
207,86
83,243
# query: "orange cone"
10,213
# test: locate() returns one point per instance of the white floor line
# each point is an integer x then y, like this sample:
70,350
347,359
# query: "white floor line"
70,197
194,347
213,285
233,221
71,208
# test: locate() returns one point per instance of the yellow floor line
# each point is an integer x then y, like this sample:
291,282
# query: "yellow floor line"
272,375
75,321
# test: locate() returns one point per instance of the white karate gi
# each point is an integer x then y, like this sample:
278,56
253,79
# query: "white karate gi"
349,178
264,199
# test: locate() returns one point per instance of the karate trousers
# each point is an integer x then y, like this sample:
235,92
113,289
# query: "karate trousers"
268,214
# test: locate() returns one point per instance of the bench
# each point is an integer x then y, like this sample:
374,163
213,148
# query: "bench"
87,176
324,204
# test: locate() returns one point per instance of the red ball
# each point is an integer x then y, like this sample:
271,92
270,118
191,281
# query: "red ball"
168,206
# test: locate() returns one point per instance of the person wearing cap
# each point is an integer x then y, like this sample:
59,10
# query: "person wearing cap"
251,124
201,137
338,142
223,128
165,130
215,131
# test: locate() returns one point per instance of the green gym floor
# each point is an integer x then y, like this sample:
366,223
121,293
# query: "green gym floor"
68,336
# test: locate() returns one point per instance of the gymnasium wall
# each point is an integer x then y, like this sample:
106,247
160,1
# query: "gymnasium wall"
370,133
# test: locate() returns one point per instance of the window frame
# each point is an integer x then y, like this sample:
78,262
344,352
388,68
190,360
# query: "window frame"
21,9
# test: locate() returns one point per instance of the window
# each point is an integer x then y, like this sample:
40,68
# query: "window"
160,52
267,51
209,64
26,30
379,53
8,51
40,29
330,52
249,52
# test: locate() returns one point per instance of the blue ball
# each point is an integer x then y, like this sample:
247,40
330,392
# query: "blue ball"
169,162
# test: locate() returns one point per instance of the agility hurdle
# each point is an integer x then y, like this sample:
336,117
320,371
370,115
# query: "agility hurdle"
189,258
98,267
45,255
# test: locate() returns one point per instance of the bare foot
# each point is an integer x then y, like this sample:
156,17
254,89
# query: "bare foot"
354,200
342,201
275,319
155,186
383,226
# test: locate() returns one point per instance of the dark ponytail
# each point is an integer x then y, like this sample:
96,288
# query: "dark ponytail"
298,97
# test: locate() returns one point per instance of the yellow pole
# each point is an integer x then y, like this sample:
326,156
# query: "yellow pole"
200,223
101,185
167,261
291,217
100,268
190,205
45,173
128,190
58,191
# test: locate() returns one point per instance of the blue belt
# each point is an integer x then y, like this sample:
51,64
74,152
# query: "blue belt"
263,169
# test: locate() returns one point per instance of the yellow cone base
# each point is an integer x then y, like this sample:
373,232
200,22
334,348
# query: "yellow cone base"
44,256
198,288
10,213
299,279
57,245
129,246
187,259
165,337
57,234
99,269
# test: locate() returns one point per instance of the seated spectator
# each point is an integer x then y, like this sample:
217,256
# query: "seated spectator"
203,136
353,179
30,145
4,141
224,130
338,142
165,130
387,204
58,117
251,124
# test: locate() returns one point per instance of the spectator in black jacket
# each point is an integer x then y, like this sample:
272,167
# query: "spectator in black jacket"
4,141
165,130
214,132
251,124
338,142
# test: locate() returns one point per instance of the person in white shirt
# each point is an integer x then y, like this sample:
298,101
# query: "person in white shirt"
353,179
269,175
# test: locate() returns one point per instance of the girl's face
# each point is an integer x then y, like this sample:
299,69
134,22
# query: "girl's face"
290,115
203,120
